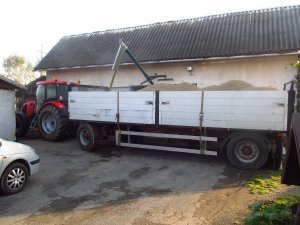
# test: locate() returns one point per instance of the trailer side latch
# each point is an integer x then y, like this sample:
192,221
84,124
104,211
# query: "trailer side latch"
148,103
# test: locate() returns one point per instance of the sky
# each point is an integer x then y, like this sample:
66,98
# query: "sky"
30,28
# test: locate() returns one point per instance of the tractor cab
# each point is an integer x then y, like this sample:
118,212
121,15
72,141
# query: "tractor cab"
55,91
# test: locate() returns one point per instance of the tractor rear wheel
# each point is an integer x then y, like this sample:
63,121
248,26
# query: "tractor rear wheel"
52,124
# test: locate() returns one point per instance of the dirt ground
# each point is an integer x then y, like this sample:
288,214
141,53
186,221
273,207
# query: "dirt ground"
131,186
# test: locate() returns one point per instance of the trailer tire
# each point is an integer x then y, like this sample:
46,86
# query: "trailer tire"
52,124
88,136
22,124
247,151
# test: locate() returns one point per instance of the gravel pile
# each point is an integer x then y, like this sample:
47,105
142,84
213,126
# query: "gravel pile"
171,87
236,85
232,85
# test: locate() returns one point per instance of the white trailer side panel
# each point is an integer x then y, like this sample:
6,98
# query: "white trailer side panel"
93,106
180,108
259,110
137,107
134,107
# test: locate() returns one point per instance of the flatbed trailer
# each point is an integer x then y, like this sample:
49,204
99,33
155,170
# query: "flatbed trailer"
248,125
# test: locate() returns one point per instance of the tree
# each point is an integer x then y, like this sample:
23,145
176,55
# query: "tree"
18,69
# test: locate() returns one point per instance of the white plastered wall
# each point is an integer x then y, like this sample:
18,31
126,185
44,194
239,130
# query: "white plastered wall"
7,115
271,71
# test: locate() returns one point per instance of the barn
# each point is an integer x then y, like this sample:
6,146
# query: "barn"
254,46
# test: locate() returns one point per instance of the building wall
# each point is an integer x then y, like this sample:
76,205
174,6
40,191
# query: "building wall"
271,71
7,115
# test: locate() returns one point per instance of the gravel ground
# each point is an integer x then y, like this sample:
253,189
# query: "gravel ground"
127,186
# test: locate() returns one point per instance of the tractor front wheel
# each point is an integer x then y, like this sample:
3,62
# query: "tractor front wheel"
52,124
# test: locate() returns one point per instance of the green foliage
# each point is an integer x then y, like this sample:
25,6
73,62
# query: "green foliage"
262,185
295,64
276,212
18,69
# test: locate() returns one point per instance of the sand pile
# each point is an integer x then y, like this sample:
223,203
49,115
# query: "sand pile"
171,87
236,85
232,85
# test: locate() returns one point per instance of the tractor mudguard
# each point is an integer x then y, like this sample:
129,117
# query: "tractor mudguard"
60,106
28,108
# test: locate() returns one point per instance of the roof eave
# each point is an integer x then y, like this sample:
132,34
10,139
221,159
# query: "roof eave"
12,83
296,52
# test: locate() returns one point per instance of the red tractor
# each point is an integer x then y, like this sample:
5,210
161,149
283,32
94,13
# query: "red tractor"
48,112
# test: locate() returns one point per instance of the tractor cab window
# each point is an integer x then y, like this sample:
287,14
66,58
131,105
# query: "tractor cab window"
51,91
40,93
40,96
62,91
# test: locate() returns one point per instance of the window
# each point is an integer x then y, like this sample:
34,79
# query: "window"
51,91
62,91
40,93
40,96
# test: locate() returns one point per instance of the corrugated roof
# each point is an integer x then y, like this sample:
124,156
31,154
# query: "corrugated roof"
266,31
6,83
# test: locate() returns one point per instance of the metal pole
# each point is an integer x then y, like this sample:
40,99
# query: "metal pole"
112,80
138,65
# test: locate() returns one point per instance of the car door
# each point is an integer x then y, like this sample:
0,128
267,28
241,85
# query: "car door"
1,157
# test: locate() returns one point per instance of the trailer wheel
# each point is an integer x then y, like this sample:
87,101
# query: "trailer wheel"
88,136
52,124
22,124
247,152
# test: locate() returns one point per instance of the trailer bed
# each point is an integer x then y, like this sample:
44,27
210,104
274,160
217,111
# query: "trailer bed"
259,110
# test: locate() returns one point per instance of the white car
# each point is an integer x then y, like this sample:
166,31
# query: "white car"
17,163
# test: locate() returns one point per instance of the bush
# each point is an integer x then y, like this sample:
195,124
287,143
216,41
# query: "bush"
277,212
261,185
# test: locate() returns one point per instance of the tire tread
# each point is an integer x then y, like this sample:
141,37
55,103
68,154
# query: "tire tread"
61,123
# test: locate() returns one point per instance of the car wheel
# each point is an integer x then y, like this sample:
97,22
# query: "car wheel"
14,178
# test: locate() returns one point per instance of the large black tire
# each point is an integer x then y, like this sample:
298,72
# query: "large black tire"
22,124
247,151
14,179
52,124
88,136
